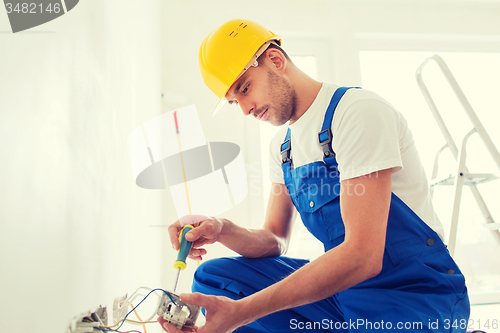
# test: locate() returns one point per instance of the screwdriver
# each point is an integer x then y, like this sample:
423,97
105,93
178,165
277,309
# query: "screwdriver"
184,248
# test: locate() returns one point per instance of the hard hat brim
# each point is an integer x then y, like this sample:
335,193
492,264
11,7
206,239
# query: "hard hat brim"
222,102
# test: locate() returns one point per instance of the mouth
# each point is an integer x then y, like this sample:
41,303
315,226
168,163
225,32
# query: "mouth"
262,116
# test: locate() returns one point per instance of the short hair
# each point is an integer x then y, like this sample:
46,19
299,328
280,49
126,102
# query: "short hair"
273,46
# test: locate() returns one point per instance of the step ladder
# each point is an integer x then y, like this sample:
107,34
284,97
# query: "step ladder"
462,176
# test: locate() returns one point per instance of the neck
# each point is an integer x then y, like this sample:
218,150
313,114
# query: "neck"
306,90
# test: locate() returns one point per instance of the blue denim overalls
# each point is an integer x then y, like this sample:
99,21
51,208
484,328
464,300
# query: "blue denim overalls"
420,288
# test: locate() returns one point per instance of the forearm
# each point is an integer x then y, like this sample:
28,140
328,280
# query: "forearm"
251,243
273,238
334,271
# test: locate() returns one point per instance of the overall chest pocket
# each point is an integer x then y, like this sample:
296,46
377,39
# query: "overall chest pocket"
318,202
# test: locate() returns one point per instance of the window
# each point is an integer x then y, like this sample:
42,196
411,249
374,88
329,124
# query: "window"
391,74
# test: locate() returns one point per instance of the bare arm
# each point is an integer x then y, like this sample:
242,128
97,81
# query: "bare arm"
271,240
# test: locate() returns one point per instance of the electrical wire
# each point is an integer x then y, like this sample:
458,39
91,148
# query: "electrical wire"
121,322
138,317
130,321
182,163
182,160
136,294
140,322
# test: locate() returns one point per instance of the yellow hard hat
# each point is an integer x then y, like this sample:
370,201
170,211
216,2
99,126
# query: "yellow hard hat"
228,51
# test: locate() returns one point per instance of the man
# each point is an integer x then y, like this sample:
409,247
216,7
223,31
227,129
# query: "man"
349,166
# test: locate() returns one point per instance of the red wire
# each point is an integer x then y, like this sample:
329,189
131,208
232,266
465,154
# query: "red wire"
176,124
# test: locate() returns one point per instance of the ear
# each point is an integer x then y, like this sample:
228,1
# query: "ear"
277,59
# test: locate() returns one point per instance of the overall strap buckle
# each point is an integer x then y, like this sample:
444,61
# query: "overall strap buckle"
286,152
286,149
325,141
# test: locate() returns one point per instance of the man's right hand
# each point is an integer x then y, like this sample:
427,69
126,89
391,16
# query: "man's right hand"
205,232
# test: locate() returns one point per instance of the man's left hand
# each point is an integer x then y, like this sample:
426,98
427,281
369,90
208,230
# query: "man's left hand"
221,313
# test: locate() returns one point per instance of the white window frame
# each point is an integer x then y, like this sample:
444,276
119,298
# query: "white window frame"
433,43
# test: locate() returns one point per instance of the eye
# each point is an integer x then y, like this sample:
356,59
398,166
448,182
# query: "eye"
233,102
245,89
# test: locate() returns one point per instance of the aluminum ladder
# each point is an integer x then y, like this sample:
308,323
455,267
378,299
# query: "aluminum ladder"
462,175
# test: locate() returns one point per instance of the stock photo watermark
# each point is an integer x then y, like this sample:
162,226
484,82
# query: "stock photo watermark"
24,15
365,324
317,181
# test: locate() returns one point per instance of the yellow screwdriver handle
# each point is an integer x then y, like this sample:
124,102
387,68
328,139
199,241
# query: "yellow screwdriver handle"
184,248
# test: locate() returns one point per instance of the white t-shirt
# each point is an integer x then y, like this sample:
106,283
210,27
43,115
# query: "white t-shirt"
369,135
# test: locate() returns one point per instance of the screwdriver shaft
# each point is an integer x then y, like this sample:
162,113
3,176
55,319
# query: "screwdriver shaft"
177,279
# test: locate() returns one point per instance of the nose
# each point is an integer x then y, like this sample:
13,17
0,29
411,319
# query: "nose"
246,106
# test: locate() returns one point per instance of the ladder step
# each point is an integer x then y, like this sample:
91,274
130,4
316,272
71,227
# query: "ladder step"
493,226
470,179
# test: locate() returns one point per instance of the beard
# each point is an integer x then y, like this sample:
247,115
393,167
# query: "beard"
283,98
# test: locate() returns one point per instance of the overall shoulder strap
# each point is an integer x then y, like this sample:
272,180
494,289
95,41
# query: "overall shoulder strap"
325,135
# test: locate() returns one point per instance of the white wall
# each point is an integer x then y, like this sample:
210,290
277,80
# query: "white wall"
74,227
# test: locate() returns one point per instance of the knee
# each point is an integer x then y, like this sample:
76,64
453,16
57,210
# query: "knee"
212,273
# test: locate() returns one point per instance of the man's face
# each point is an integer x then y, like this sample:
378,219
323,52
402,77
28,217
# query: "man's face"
264,94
